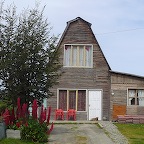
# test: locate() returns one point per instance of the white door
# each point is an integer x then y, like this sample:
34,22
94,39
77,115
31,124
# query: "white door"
95,104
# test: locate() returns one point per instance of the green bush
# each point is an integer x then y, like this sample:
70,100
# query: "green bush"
3,106
34,131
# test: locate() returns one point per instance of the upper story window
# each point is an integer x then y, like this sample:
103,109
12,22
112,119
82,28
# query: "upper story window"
78,56
136,97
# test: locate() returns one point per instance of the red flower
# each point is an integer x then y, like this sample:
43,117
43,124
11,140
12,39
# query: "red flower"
49,113
26,124
19,114
51,128
34,109
18,124
24,110
6,117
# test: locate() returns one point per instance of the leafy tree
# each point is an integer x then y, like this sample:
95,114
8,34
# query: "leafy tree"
29,63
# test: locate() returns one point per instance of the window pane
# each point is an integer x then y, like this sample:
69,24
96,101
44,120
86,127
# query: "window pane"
88,56
141,97
63,100
72,99
140,93
81,55
132,95
67,55
74,55
81,100
131,101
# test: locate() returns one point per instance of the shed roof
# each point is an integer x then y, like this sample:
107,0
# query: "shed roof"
127,74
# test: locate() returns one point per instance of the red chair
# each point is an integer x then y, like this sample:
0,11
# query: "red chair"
71,114
59,115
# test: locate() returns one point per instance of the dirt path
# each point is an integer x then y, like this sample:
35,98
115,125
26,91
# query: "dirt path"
78,134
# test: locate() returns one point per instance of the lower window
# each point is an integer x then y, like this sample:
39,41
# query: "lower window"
72,99
136,97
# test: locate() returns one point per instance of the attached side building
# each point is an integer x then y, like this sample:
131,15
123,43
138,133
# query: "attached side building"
127,94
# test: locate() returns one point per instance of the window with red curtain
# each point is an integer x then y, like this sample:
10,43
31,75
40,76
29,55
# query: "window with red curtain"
81,100
63,100
72,99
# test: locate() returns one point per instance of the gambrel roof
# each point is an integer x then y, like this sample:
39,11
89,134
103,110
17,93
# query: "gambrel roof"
89,24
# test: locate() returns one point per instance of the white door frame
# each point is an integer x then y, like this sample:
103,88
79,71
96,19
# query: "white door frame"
88,101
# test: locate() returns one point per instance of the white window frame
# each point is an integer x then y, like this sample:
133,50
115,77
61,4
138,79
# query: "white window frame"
136,96
77,65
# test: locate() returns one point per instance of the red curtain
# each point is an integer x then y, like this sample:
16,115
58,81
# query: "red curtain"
63,100
81,100
72,99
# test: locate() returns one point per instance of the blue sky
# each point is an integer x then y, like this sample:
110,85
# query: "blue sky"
117,24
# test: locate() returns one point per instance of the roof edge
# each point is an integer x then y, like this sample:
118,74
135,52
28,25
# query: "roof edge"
128,74
68,23
77,19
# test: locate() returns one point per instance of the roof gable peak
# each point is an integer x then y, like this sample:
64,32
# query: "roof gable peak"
78,18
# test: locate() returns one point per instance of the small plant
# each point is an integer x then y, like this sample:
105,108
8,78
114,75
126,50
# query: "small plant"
33,128
35,131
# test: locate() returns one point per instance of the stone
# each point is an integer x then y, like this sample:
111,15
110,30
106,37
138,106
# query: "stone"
10,133
2,130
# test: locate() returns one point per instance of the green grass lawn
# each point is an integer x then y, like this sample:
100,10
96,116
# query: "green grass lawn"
13,141
133,132
16,141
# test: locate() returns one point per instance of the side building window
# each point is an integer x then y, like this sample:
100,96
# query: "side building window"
72,99
136,97
78,56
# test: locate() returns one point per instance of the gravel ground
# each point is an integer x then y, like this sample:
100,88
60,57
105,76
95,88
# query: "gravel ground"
86,134
113,132
78,134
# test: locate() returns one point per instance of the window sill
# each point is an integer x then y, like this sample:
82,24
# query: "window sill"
76,67
134,106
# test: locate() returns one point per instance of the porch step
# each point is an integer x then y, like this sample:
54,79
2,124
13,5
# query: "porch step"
73,122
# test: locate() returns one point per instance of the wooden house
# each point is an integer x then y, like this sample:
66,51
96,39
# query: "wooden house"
88,84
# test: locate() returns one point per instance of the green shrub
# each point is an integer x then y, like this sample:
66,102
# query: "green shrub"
5,104
2,107
34,131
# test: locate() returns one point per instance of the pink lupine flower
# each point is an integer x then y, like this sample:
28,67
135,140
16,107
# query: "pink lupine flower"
49,113
34,109
18,108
